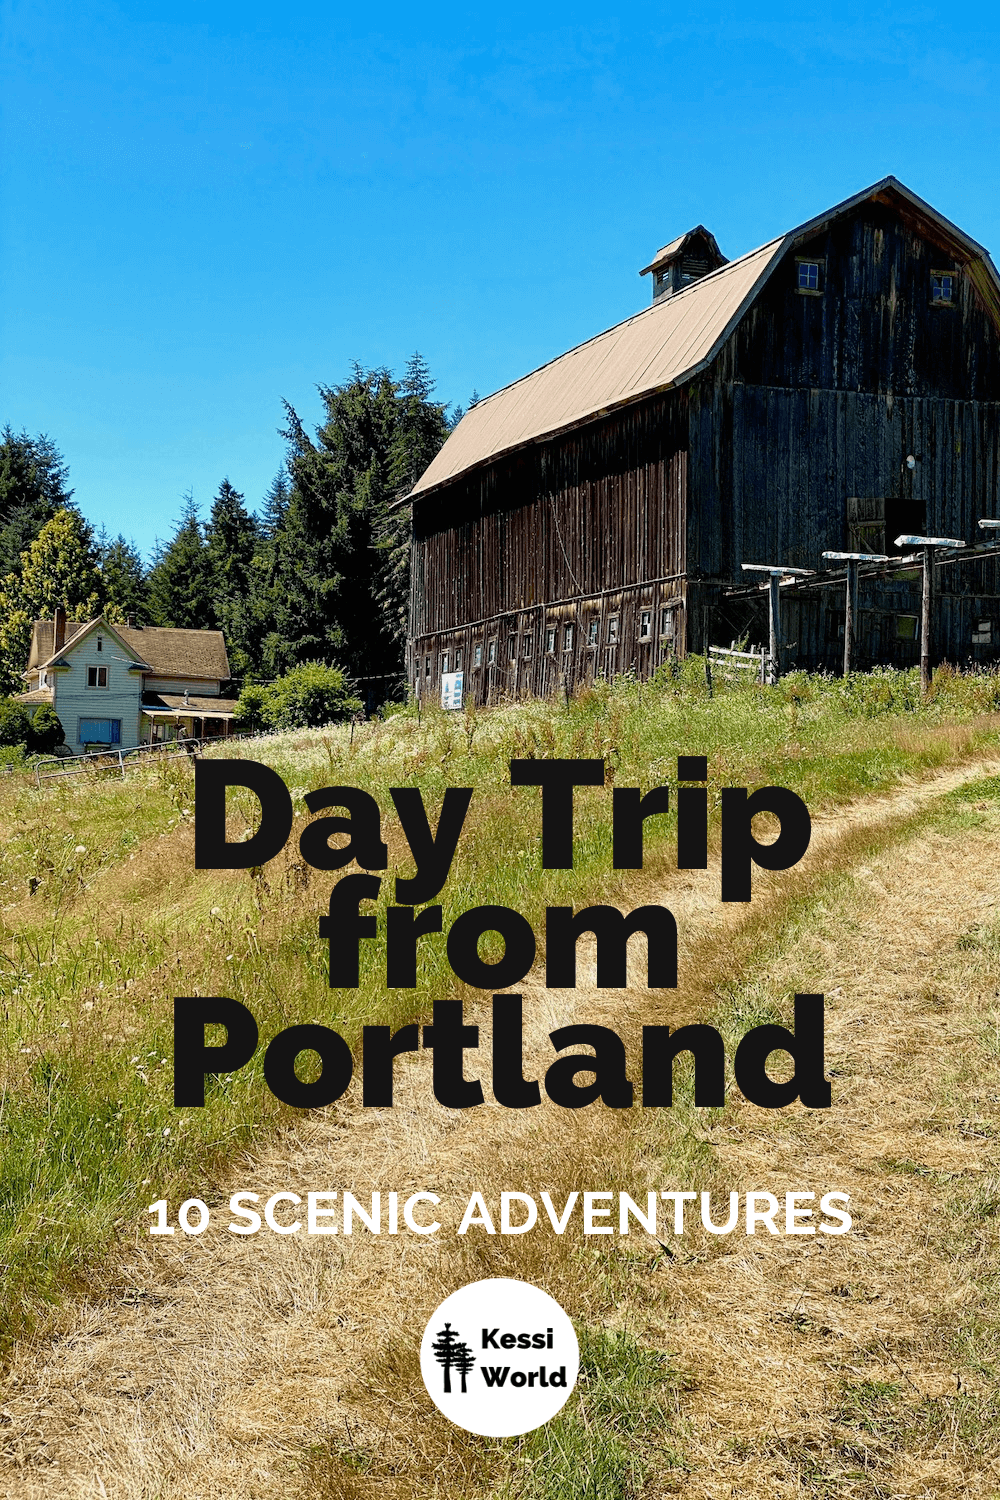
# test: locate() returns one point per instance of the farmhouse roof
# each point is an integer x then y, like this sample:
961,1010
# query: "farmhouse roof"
163,651
664,345
174,704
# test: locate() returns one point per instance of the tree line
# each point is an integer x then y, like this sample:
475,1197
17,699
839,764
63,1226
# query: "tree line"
321,574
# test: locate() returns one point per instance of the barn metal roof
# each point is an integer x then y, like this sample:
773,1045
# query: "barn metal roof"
662,346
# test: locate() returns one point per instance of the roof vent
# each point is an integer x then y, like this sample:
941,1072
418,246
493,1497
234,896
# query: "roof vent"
683,261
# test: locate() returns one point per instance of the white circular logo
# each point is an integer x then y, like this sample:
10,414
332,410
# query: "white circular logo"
499,1357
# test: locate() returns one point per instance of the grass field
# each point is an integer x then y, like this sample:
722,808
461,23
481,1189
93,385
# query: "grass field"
105,920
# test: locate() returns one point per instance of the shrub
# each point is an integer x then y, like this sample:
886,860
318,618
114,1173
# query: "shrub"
46,730
304,698
250,715
309,695
15,723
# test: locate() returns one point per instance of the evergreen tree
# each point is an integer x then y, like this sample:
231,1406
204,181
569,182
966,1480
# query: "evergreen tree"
32,488
337,573
179,585
276,503
123,578
59,567
421,429
232,537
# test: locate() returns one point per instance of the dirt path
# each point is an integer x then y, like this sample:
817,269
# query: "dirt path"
209,1365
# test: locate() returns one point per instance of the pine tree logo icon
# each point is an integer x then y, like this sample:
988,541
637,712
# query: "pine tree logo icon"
453,1354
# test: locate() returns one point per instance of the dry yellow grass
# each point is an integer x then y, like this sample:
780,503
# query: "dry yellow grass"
216,1365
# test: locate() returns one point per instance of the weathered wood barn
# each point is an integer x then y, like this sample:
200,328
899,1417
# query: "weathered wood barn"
831,390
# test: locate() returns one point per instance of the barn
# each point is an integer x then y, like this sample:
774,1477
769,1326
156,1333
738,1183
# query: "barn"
831,390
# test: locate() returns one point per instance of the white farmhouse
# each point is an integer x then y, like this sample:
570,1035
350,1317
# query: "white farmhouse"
128,685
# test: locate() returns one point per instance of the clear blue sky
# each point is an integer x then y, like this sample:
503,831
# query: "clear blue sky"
206,208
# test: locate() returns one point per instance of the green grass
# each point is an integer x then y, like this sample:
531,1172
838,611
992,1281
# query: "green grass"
600,1446
105,919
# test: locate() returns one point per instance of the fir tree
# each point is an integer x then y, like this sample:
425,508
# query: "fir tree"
123,578
420,431
179,585
232,538
338,572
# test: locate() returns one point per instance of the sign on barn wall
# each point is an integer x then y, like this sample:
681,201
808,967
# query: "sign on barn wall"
451,689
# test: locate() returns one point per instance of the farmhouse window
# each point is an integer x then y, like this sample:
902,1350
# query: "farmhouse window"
97,677
592,632
943,288
550,639
100,643
491,653
809,276
906,627
982,633
526,646
477,654
100,732
568,638
645,624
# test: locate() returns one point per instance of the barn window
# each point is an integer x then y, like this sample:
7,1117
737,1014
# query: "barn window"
491,653
809,276
427,667
550,639
667,624
512,647
943,288
906,627
477,654
645,624
526,645
592,632
458,660
612,628
982,633
568,638
97,677
443,663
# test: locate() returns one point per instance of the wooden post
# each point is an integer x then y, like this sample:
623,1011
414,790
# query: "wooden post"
925,621
775,575
774,624
850,612
927,545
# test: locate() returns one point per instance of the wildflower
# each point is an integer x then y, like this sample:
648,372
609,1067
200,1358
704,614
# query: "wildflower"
80,849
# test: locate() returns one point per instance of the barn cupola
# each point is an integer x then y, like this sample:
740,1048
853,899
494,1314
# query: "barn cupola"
684,260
